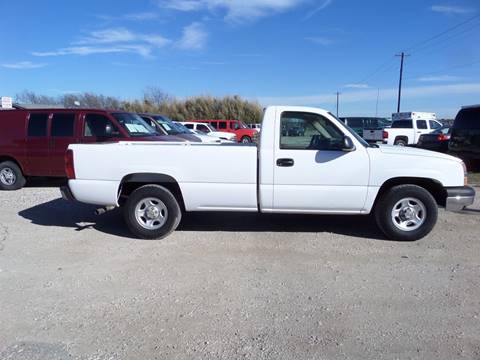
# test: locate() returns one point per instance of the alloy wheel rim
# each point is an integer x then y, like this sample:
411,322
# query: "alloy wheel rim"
151,213
7,176
409,214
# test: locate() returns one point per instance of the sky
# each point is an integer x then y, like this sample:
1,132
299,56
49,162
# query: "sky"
278,52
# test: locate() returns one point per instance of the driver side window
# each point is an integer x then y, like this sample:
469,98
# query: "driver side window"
96,124
308,131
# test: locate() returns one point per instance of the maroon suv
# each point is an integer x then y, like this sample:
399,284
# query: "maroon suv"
34,142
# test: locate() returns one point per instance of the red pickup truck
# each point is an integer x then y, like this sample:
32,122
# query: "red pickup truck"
34,142
244,134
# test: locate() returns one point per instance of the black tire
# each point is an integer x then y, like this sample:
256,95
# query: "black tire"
246,140
386,221
400,142
168,203
11,176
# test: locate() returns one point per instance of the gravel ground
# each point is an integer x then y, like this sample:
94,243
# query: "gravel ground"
232,286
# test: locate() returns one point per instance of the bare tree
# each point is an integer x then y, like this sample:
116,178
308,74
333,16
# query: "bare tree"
30,97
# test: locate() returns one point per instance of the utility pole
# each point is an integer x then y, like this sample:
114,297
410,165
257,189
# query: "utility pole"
338,96
402,58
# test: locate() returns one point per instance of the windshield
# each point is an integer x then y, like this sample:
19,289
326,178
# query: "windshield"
168,125
134,124
210,127
351,131
242,125
182,128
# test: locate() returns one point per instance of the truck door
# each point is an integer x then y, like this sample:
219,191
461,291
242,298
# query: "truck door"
94,129
421,128
311,172
38,147
62,134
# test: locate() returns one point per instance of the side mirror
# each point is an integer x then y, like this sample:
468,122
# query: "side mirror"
108,130
348,144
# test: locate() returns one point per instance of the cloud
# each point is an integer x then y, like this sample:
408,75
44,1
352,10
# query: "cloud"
236,10
194,37
142,16
319,8
320,40
122,35
23,65
452,10
371,95
110,41
439,78
356,86
142,50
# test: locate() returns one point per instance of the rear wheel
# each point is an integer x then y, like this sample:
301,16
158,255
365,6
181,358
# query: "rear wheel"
246,140
152,212
406,213
11,177
400,142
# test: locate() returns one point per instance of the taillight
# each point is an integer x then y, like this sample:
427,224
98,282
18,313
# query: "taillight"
69,165
385,134
443,137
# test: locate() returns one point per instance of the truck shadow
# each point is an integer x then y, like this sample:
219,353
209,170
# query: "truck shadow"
79,216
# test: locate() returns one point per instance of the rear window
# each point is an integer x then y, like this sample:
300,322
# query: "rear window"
468,119
37,125
222,125
402,124
62,125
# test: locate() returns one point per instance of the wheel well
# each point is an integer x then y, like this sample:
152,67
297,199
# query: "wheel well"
132,182
434,187
405,138
8,158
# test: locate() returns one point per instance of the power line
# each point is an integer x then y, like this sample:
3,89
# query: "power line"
385,66
423,42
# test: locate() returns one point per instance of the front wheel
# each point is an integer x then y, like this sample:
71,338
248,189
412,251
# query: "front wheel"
152,212
11,177
246,140
406,213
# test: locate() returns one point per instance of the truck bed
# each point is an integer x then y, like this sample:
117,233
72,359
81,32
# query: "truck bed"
211,177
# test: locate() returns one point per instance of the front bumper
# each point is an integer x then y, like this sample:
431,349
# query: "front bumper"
459,197
67,193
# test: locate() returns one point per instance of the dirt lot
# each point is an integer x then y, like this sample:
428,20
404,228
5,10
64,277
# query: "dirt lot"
230,286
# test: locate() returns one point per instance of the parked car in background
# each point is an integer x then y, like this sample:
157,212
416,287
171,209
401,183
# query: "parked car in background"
407,127
242,132
207,129
361,124
33,142
328,170
209,139
169,127
465,137
435,141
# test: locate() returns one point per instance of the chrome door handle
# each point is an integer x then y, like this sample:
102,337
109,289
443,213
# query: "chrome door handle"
285,162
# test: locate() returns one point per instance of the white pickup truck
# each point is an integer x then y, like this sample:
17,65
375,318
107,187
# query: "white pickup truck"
407,127
327,169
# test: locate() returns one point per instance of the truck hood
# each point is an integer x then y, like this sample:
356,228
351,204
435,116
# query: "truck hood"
409,151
